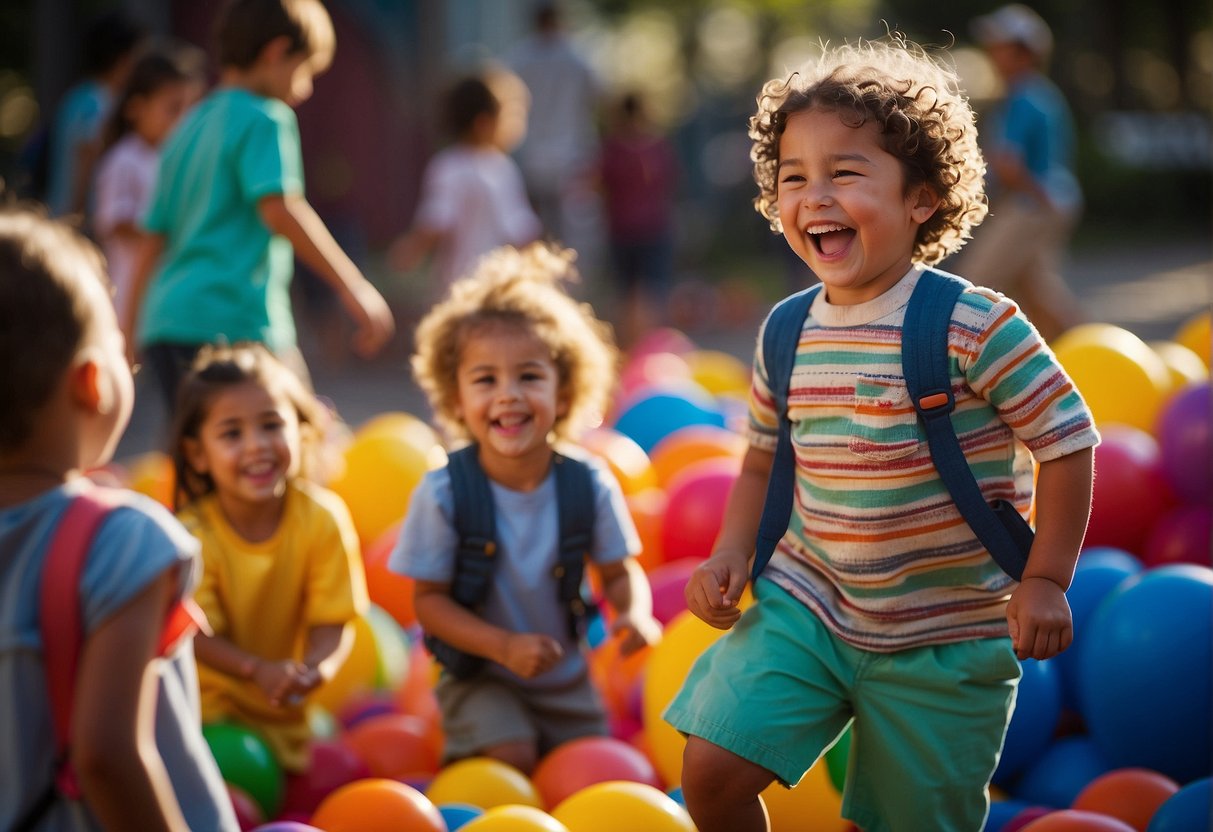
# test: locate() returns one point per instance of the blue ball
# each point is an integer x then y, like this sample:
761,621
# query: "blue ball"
1037,711
652,417
1099,571
1188,810
1065,768
1146,673
1001,812
457,814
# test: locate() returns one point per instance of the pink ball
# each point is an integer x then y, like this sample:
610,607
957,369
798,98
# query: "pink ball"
697,498
1184,534
248,812
668,582
574,765
1130,492
331,765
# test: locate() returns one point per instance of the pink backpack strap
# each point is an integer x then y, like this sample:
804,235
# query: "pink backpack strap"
61,616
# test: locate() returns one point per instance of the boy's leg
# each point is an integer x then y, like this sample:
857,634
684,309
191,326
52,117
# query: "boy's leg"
929,725
721,789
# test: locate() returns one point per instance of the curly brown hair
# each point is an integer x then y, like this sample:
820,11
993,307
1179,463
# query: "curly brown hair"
923,118
519,287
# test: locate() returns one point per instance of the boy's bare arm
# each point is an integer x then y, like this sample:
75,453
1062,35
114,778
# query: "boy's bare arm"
328,646
113,742
716,585
293,217
626,588
151,246
1038,614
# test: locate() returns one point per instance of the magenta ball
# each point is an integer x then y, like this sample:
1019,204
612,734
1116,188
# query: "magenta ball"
1186,449
1130,491
697,497
668,583
1182,535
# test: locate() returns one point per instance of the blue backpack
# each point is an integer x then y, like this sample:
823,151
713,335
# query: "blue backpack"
476,555
924,361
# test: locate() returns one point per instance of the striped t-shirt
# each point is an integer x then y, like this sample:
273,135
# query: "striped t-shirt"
876,546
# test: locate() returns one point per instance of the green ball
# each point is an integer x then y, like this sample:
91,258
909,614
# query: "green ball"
245,761
837,758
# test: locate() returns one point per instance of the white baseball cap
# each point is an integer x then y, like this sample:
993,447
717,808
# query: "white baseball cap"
1015,23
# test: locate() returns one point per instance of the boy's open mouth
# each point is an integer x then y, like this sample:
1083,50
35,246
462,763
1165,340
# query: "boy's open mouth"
831,240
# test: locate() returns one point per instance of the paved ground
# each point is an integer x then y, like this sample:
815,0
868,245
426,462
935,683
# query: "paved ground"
1147,288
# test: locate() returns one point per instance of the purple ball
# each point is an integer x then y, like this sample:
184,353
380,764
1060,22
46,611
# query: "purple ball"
1185,444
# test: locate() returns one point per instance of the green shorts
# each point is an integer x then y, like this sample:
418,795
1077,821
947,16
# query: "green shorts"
780,688
486,710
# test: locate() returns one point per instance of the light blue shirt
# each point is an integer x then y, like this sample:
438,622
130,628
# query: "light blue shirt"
524,596
78,120
223,275
1034,123
133,546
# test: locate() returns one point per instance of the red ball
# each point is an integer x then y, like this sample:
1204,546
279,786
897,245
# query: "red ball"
248,812
574,765
1132,795
1130,491
1072,820
697,498
668,583
396,746
331,766
1181,535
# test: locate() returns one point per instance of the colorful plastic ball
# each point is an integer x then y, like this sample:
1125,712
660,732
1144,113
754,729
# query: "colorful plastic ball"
331,765
662,339
394,745
457,815
248,813
1001,812
391,648
1194,333
685,638
615,805
1183,365
1098,572
286,826
1122,380
1189,808
617,676
694,443
1058,775
668,583
1132,795
1073,820
1037,711
813,804
838,758
1130,491
1182,535
378,805
653,369
627,460
655,415
483,782
1147,673
719,372
1026,816
580,763
647,508
381,470
697,500
245,761
515,819
1185,440
389,590
152,474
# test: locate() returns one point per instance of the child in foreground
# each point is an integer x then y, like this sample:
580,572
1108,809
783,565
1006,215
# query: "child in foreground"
135,742
283,578
512,363
880,608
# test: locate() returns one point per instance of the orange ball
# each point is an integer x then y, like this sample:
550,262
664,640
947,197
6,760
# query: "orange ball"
648,508
1073,820
626,459
694,443
377,805
394,745
392,591
1129,794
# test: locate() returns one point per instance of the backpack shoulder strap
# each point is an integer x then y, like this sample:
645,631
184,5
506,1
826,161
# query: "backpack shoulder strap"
780,339
924,356
576,510
60,617
475,556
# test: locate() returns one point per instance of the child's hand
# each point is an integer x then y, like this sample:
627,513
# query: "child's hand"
530,654
1039,619
278,679
715,588
635,632
373,318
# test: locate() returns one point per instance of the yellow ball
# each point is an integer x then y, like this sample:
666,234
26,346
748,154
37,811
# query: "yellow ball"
813,804
514,818
483,782
684,640
1120,377
719,372
357,674
1195,334
618,804
1183,365
152,473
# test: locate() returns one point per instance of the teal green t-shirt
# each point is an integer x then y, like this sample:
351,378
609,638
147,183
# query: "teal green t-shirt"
223,276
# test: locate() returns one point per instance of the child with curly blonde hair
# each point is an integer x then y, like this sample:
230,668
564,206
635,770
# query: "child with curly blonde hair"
513,365
880,607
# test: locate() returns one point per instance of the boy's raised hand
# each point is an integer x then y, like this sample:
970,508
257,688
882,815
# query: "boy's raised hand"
715,588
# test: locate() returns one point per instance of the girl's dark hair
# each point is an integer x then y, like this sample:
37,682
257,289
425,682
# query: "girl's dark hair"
109,38
154,69
468,99
216,369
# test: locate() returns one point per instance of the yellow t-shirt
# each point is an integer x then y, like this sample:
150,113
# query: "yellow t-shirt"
264,597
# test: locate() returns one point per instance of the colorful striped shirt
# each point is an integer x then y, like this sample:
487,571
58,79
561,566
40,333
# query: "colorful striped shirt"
875,546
